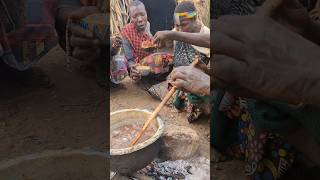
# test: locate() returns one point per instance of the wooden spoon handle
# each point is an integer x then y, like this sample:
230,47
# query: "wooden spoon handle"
153,115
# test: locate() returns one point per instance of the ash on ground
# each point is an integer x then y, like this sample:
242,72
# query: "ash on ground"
192,169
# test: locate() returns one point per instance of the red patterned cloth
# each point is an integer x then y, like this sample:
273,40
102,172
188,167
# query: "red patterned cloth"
136,38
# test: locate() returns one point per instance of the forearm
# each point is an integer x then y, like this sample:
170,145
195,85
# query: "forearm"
204,87
128,52
197,39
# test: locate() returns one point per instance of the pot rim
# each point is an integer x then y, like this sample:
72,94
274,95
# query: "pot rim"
155,137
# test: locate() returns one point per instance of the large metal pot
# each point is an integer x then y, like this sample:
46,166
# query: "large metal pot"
131,159
56,165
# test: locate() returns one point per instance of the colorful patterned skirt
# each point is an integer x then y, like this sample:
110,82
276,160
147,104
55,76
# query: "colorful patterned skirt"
191,103
267,155
158,62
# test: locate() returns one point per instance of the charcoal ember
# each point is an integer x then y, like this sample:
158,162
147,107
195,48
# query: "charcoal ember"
188,169
191,169
168,170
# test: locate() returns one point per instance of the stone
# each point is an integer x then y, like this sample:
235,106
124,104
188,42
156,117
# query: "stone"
179,142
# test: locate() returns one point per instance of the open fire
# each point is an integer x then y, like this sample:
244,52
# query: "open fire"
197,168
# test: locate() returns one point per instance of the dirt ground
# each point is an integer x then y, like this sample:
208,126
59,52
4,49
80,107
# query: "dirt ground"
72,114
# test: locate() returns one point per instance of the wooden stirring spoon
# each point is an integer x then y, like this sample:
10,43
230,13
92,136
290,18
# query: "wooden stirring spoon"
157,110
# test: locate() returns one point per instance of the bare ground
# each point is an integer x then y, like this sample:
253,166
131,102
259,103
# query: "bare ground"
72,114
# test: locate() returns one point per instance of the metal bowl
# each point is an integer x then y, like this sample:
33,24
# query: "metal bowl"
55,165
128,160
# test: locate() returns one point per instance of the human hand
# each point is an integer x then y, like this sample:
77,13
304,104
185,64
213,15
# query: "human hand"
161,38
190,79
116,42
257,57
134,73
86,45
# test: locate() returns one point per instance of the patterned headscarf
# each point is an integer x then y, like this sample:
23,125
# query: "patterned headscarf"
186,9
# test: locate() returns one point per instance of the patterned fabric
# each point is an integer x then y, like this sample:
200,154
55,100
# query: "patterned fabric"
189,103
267,155
118,69
184,54
276,116
188,15
136,38
159,62
26,31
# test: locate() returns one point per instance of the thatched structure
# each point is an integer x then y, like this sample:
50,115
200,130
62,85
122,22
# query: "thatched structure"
203,8
119,15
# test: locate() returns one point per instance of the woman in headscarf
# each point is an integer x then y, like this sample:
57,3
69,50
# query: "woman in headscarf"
186,20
